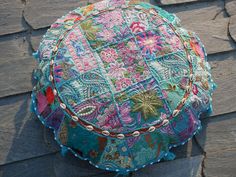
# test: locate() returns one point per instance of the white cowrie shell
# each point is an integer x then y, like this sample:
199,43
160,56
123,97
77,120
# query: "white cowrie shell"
190,58
152,129
191,77
136,133
175,113
165,122
185,44
55,49
153,12
183,101
75,118
120,136
50,78
89,127
61,37
54,92
51,62
105,133
62,105
188,89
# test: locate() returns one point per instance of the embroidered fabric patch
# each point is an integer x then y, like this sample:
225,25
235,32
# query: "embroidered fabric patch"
120,83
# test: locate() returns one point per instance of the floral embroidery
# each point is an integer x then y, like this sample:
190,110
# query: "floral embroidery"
107,35
149,42
147,103
109,55
111,19
175,42
100,5
124,61
195,89
116,3
125,113
42,102
109,120
116,70
89,29
137,27
123,83
145,155
87,9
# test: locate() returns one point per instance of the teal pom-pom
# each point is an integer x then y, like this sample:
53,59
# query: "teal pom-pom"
169,156
36,54
214,86
64,150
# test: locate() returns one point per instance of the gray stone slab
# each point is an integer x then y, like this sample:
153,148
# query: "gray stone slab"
168,2
53,165
218,134
21,135
218,139
16,65
11,16
232,27
230,6
189,149
36,37
224,74
40,14
221,164
198,12
208,20
214,35
187,167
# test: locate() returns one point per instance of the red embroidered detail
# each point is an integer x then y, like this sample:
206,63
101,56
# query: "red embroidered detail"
193,46
50,95
195,90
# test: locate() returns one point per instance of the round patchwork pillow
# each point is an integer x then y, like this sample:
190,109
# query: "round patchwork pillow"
120,83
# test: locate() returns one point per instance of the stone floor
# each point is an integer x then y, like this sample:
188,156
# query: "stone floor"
28,150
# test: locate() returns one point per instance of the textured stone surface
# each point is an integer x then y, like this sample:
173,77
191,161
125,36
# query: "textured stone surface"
218,139
198,12
16,65
189,149
167,2
21,136
218,134
214,35
36,37
232,27
40,14
187,167
52,165
221,164
11,16
224,74
230,6
208,20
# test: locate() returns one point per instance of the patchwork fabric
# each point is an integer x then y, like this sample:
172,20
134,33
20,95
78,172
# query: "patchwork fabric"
120,83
